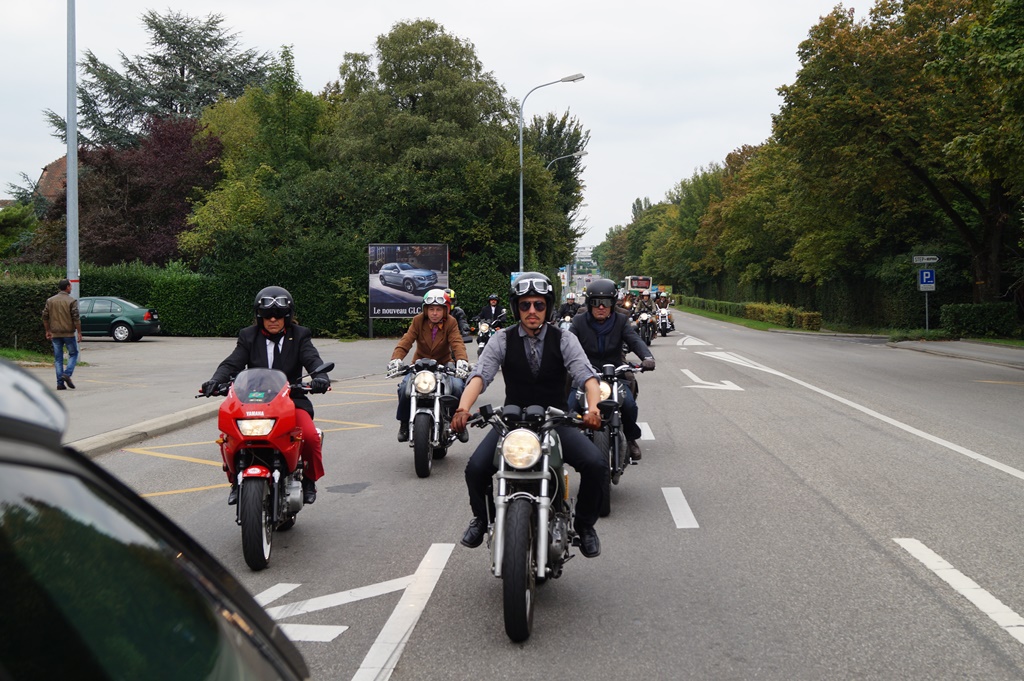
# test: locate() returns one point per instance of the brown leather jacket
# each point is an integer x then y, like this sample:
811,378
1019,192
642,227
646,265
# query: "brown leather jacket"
445,347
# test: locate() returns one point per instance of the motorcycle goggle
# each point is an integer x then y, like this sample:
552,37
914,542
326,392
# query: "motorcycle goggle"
272,313
524,286
602,302
435,300
275,301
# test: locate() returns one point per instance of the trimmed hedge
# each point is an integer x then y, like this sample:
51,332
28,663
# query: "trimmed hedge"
980,320
774,313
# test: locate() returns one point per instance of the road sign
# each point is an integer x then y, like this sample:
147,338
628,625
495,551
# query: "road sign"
926,280
925,259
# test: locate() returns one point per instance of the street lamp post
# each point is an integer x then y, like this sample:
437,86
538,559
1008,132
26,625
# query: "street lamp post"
577,154
568,79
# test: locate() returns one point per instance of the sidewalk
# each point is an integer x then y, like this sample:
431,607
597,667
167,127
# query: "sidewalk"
979,351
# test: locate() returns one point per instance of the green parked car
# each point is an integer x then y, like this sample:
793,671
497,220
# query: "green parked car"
117,317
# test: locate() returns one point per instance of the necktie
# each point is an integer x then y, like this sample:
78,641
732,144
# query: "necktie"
277,354
433,334
534,356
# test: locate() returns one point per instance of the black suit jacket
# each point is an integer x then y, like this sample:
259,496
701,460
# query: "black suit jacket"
297,354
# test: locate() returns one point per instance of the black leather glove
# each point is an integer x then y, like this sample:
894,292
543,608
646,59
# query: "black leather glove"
319,385
210,388
647,364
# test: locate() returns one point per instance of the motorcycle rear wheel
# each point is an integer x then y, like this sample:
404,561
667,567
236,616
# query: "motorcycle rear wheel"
518,571
423,454
257,528
602,443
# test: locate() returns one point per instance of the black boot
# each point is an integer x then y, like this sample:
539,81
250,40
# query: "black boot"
233,495
474,534
590,545
308,491
403,431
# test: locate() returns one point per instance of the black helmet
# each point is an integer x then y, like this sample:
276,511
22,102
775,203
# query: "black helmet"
603,289
493,296
532,283
274,299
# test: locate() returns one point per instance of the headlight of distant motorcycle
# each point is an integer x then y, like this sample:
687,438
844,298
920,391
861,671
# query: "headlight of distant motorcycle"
644,316
255,427
425,382
521,448
484,327
606,390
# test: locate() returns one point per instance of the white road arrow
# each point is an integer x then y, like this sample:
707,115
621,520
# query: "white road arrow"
724,385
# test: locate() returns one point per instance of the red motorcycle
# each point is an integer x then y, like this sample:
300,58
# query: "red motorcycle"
260,444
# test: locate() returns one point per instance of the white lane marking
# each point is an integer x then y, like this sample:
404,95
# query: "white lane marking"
1009,470
341,598
690,340
966,587
681,512
275,592
318,633
645,431
699,383
380,662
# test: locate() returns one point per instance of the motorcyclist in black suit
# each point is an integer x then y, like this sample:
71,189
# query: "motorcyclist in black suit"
570,307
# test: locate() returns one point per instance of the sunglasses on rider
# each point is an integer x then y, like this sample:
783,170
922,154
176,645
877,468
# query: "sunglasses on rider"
275,301
538,305
600,302
524,286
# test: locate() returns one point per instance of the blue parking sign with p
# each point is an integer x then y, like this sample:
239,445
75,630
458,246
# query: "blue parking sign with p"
926,280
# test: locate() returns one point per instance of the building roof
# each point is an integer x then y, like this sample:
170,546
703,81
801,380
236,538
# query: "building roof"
53,179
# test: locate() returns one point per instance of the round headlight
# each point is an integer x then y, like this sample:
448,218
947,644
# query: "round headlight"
484,327
521,448
606,390
425,382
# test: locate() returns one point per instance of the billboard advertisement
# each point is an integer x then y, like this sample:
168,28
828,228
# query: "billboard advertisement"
401,273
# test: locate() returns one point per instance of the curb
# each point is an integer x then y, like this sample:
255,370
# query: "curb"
115,439
953,355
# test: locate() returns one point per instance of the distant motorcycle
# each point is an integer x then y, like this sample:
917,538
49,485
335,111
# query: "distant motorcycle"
431,407
664,325
531,520
645,327
485,329
564,323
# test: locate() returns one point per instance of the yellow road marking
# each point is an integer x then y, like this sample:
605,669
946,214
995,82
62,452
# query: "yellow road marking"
352,424
357,392
159,455
185,491
348,404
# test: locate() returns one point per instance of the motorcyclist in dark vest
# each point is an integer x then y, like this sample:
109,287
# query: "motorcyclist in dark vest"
535,360
602,331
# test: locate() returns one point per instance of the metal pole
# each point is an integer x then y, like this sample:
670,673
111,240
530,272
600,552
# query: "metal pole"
568,79
72,158
926,328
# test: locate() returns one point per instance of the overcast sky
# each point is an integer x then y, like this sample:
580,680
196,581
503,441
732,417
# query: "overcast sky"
670,86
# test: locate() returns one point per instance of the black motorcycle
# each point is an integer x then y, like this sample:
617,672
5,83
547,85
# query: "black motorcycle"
610,440
485,329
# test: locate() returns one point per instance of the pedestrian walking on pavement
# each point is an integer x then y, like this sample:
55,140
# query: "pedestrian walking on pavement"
64,330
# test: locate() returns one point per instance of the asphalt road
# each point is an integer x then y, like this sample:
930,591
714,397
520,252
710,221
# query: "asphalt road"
855,514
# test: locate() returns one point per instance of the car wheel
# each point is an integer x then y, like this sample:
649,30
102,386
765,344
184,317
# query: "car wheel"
409,285
382,282
122,332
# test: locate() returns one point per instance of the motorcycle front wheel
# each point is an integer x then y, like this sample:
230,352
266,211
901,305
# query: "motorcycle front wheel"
257,528
518,571
423,454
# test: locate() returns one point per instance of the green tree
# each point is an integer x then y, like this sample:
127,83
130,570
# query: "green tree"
879,111
192,63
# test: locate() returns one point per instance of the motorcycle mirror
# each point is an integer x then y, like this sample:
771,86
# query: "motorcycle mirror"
325,368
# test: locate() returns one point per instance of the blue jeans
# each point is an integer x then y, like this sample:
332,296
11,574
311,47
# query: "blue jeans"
629,412
59,343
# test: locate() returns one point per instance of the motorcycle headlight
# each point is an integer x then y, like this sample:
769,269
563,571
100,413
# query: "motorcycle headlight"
521,448
484,327
606,390
644,316
255,427
425,382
